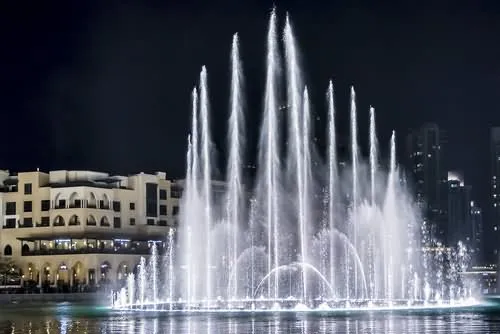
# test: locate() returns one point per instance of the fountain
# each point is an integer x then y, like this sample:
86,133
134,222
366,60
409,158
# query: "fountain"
309,234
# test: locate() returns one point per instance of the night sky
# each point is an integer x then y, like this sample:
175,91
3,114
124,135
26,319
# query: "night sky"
105,85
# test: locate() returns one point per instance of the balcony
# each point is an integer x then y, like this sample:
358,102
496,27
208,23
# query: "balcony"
48,252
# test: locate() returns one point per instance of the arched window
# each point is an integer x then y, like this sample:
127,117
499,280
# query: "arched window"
7,251
75,201
91,220
25,249
104,221
104,202
59,202
74,220
58,221
92,203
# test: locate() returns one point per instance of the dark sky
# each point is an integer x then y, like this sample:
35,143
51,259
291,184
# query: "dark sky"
106,85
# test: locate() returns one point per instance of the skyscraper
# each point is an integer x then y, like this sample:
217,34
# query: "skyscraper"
476,218
493,223
428,175
459,211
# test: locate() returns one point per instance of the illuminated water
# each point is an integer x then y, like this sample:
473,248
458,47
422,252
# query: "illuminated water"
309,232
66,318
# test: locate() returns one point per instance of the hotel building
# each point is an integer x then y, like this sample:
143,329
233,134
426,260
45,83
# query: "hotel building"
67,230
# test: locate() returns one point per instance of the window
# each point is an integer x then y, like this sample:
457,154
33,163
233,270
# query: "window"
132,221
175,211
58,221
162,223
151,200
103,205
10,223
7,251
27,189
163,210
175,192
104,221
163,194
91,221
116,206
151,221
132,206
74,220
77,203
61,204
117,223
45,205
28,206
28,222
45,221
10,208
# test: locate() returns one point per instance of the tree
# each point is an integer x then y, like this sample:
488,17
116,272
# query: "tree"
9,272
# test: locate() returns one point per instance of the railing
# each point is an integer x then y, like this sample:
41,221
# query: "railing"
132,251
81,206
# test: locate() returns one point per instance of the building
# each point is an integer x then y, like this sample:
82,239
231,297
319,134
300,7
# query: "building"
427,176
459,219
493,224
68,229
476,218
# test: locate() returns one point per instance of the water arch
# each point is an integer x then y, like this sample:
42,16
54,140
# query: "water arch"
303,266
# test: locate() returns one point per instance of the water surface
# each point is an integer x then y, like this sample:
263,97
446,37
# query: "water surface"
73,318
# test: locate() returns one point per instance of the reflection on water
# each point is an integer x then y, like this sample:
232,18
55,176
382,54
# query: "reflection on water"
91,320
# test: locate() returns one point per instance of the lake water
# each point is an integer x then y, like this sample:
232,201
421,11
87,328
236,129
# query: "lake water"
71,318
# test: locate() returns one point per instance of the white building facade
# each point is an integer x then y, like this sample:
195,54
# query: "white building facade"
69,230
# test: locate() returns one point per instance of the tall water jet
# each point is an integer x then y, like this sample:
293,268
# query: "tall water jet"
131,289
170,271
306,188
391,223
191,199
373,155
142,281
154,270
234,177
295,149
269,151
354,200
332,179
372,257
207,181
